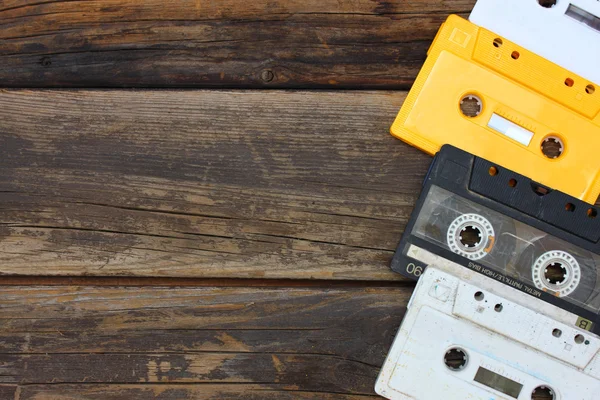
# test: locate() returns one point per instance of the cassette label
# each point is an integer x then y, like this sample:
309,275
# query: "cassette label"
495,99
495,344
506,227
566,32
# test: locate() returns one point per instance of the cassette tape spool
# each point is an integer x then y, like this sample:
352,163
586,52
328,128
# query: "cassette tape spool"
502,224
468,336
566,32
488,96
567,273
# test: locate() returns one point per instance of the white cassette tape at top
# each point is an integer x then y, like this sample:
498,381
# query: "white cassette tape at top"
467,336
566,32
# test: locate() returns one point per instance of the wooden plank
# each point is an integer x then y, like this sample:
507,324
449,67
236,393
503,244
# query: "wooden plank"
170,392
193,43
195,343
261,184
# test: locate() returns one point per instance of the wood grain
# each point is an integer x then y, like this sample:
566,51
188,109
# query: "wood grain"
170,392
217,43
230,184
195,343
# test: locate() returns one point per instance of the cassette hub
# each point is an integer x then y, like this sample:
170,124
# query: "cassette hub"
456,359
471,106
542,393
471,235
557,271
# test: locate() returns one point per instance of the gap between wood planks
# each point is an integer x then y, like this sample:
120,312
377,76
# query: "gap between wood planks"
111,281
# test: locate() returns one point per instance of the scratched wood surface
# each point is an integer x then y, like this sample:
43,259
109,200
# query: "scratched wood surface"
235,184
217,43
195,343
128,217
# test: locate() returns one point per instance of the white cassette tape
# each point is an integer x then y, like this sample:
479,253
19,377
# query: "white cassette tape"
468,336
566,32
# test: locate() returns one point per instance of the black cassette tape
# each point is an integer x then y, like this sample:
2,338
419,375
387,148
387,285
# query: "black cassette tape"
504,225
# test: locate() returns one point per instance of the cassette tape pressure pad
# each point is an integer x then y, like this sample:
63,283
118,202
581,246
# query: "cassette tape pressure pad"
472,337
566,32
497,100
503,225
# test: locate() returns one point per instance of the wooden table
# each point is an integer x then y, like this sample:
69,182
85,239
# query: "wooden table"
191,238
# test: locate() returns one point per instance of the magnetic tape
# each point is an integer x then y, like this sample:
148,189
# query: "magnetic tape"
497,100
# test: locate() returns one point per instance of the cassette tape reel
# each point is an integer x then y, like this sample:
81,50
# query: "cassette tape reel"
468,336
501,224
469,233
557,268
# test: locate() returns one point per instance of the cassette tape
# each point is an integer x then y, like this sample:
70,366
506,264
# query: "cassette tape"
496,222
566,32
467,336
495,99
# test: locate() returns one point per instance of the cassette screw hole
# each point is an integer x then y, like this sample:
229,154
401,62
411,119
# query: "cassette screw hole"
497,42
455,359
470,236
547,3
471,106
498,307
592,213
542,393
556,332
587,342
570,207
569,82
493,171
555,273
590,89
579,339
515,55
512,183
552,147
479,296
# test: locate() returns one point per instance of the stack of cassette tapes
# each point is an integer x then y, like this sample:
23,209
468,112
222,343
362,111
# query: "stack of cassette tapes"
505,237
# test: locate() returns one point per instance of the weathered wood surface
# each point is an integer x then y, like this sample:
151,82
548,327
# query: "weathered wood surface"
195,343
238,184
217,43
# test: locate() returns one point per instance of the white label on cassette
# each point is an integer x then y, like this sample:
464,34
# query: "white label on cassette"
464,336
566,32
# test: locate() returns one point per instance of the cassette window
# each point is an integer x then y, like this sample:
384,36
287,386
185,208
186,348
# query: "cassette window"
521,253
583,16
498,382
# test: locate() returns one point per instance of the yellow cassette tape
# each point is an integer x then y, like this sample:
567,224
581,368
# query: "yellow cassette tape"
494,99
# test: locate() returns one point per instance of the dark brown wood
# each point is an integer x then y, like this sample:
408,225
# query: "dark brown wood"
195,343
241,391
217,43
23,280
234,184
